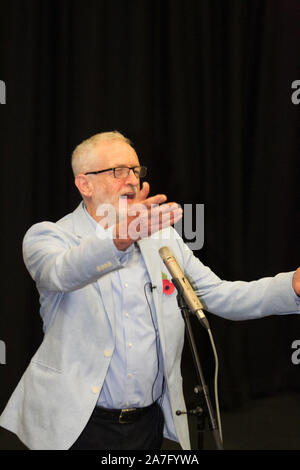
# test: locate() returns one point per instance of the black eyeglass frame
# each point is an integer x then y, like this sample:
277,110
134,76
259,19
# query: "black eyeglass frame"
143,170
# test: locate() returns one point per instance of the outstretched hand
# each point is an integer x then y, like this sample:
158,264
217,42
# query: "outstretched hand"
145,216
296,282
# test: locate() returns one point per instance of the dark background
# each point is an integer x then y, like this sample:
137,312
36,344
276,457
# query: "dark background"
203,89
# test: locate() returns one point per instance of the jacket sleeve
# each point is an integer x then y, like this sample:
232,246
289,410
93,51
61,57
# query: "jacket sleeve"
240,300
59,261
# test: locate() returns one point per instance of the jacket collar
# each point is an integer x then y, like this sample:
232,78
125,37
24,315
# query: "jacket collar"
82,223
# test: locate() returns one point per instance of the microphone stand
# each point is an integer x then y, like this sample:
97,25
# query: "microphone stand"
202,388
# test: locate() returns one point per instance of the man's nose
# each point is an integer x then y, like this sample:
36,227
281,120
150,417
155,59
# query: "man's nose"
132,178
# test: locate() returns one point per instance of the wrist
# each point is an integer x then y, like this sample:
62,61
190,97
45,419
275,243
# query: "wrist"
121,243
296,282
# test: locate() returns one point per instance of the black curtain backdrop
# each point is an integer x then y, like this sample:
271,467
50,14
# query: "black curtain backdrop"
203,89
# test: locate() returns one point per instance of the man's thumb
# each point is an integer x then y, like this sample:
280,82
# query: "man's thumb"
144,191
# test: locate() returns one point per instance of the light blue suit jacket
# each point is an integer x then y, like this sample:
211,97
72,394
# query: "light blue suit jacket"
71,267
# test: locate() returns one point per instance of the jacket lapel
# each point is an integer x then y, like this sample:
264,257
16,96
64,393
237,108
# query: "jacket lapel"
84,227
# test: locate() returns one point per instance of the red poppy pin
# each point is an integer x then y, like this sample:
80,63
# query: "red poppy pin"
168,286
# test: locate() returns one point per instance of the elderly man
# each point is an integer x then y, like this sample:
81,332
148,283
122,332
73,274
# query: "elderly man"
107,374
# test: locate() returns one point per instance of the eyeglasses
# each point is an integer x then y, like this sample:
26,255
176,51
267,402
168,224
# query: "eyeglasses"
123,171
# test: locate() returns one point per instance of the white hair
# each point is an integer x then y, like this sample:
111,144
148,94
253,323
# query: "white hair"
81,155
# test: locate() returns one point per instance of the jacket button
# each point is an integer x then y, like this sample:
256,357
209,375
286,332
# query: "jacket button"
107,352
95,389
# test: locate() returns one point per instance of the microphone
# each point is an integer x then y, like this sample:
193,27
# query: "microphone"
183,285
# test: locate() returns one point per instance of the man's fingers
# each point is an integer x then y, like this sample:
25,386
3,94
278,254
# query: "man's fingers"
167,224
148,202
154,200
144,191
143,195
164,208
154,210
147,222
166,218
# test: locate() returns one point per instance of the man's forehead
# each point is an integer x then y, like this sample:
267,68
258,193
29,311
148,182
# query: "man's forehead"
115,153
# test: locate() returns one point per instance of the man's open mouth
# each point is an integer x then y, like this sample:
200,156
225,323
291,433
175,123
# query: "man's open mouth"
128,196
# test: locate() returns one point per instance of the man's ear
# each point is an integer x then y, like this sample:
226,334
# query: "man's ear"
84,185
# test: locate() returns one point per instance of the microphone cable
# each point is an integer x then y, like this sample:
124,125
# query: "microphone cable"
216,383
157,348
